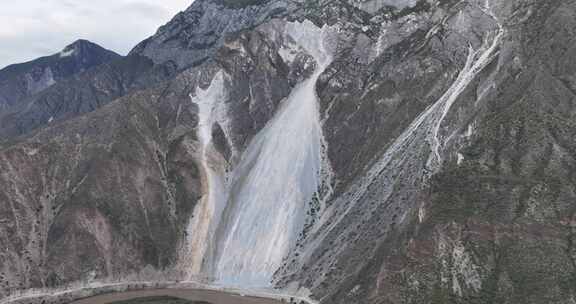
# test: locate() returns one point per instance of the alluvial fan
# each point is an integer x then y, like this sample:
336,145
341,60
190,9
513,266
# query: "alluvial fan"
275,180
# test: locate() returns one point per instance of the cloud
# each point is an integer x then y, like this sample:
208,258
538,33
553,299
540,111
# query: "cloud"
147,10
32,28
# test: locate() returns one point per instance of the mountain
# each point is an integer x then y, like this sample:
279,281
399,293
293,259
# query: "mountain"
340,151
19,81
82,93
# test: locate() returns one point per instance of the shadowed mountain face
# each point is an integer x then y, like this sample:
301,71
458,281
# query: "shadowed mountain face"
352,152
22,80
82,93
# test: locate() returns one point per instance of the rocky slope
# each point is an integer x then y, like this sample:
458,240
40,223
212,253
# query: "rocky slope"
349,151
82,93
22,80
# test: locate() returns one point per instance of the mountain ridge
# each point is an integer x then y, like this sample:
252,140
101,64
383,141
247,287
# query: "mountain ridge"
18,81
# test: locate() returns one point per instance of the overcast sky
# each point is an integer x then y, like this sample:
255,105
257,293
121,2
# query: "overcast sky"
35,28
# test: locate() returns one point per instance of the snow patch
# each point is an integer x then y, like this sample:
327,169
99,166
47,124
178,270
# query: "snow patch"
67,53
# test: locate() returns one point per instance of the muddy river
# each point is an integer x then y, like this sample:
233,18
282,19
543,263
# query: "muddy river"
176,296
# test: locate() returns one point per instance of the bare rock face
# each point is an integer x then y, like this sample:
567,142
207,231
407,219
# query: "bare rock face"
348,151
193,36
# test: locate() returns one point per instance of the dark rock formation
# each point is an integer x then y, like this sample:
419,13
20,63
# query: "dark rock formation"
22,80
83,93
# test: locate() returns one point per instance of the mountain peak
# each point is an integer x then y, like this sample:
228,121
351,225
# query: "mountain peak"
80,42
84,47
41,73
